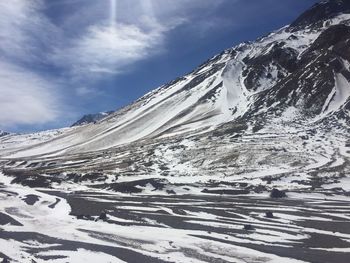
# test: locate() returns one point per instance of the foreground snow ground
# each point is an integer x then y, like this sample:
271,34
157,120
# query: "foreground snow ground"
61,226
171,207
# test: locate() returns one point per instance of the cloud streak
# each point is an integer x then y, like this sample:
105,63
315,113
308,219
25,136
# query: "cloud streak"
105,49
86,42
113,44
25,97
81,49
25,33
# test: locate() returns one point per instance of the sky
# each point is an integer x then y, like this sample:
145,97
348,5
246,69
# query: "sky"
61,59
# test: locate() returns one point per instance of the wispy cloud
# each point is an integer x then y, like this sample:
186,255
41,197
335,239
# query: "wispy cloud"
105,49
84,43
25,33
85,91
26,98
113,44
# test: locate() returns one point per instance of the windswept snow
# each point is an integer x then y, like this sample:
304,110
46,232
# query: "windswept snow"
339,95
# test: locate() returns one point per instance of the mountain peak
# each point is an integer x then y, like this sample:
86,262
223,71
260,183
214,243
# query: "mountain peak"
91,118
320,12
3,133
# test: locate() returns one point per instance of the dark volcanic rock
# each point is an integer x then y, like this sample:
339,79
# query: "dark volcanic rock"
103,216
309,86
134,186
92,118
85,217
248,227
52,206
275,193
275,55
330,37
32,181
3,133
93,177
31,199
226,191
31,178
6,219
269,214
320,12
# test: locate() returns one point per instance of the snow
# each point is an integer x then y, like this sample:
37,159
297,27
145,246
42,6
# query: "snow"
176,114
152,241
16,142
343,183
339,95
234,95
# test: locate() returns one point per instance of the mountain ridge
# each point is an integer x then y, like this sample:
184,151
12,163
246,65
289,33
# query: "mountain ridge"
91,118
3,133
319,12
253,83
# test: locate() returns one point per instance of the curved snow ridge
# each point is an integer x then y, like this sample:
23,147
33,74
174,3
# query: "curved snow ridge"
339,95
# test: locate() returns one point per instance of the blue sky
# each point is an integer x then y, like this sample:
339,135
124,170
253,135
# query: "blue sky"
61,59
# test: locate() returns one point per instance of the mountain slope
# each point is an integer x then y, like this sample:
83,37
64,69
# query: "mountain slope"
298,73
318,14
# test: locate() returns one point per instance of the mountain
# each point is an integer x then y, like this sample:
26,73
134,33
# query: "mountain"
299,72
3,133
320,13
277,105
91,118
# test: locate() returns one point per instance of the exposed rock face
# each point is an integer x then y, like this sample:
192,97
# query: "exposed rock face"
312,85
269,214
103,216
320,13
275,193
337,35
248,227
274,57
91,118
3,133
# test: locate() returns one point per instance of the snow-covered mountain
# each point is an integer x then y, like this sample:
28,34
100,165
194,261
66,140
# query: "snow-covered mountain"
292,80
3,133
297,74
91,118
